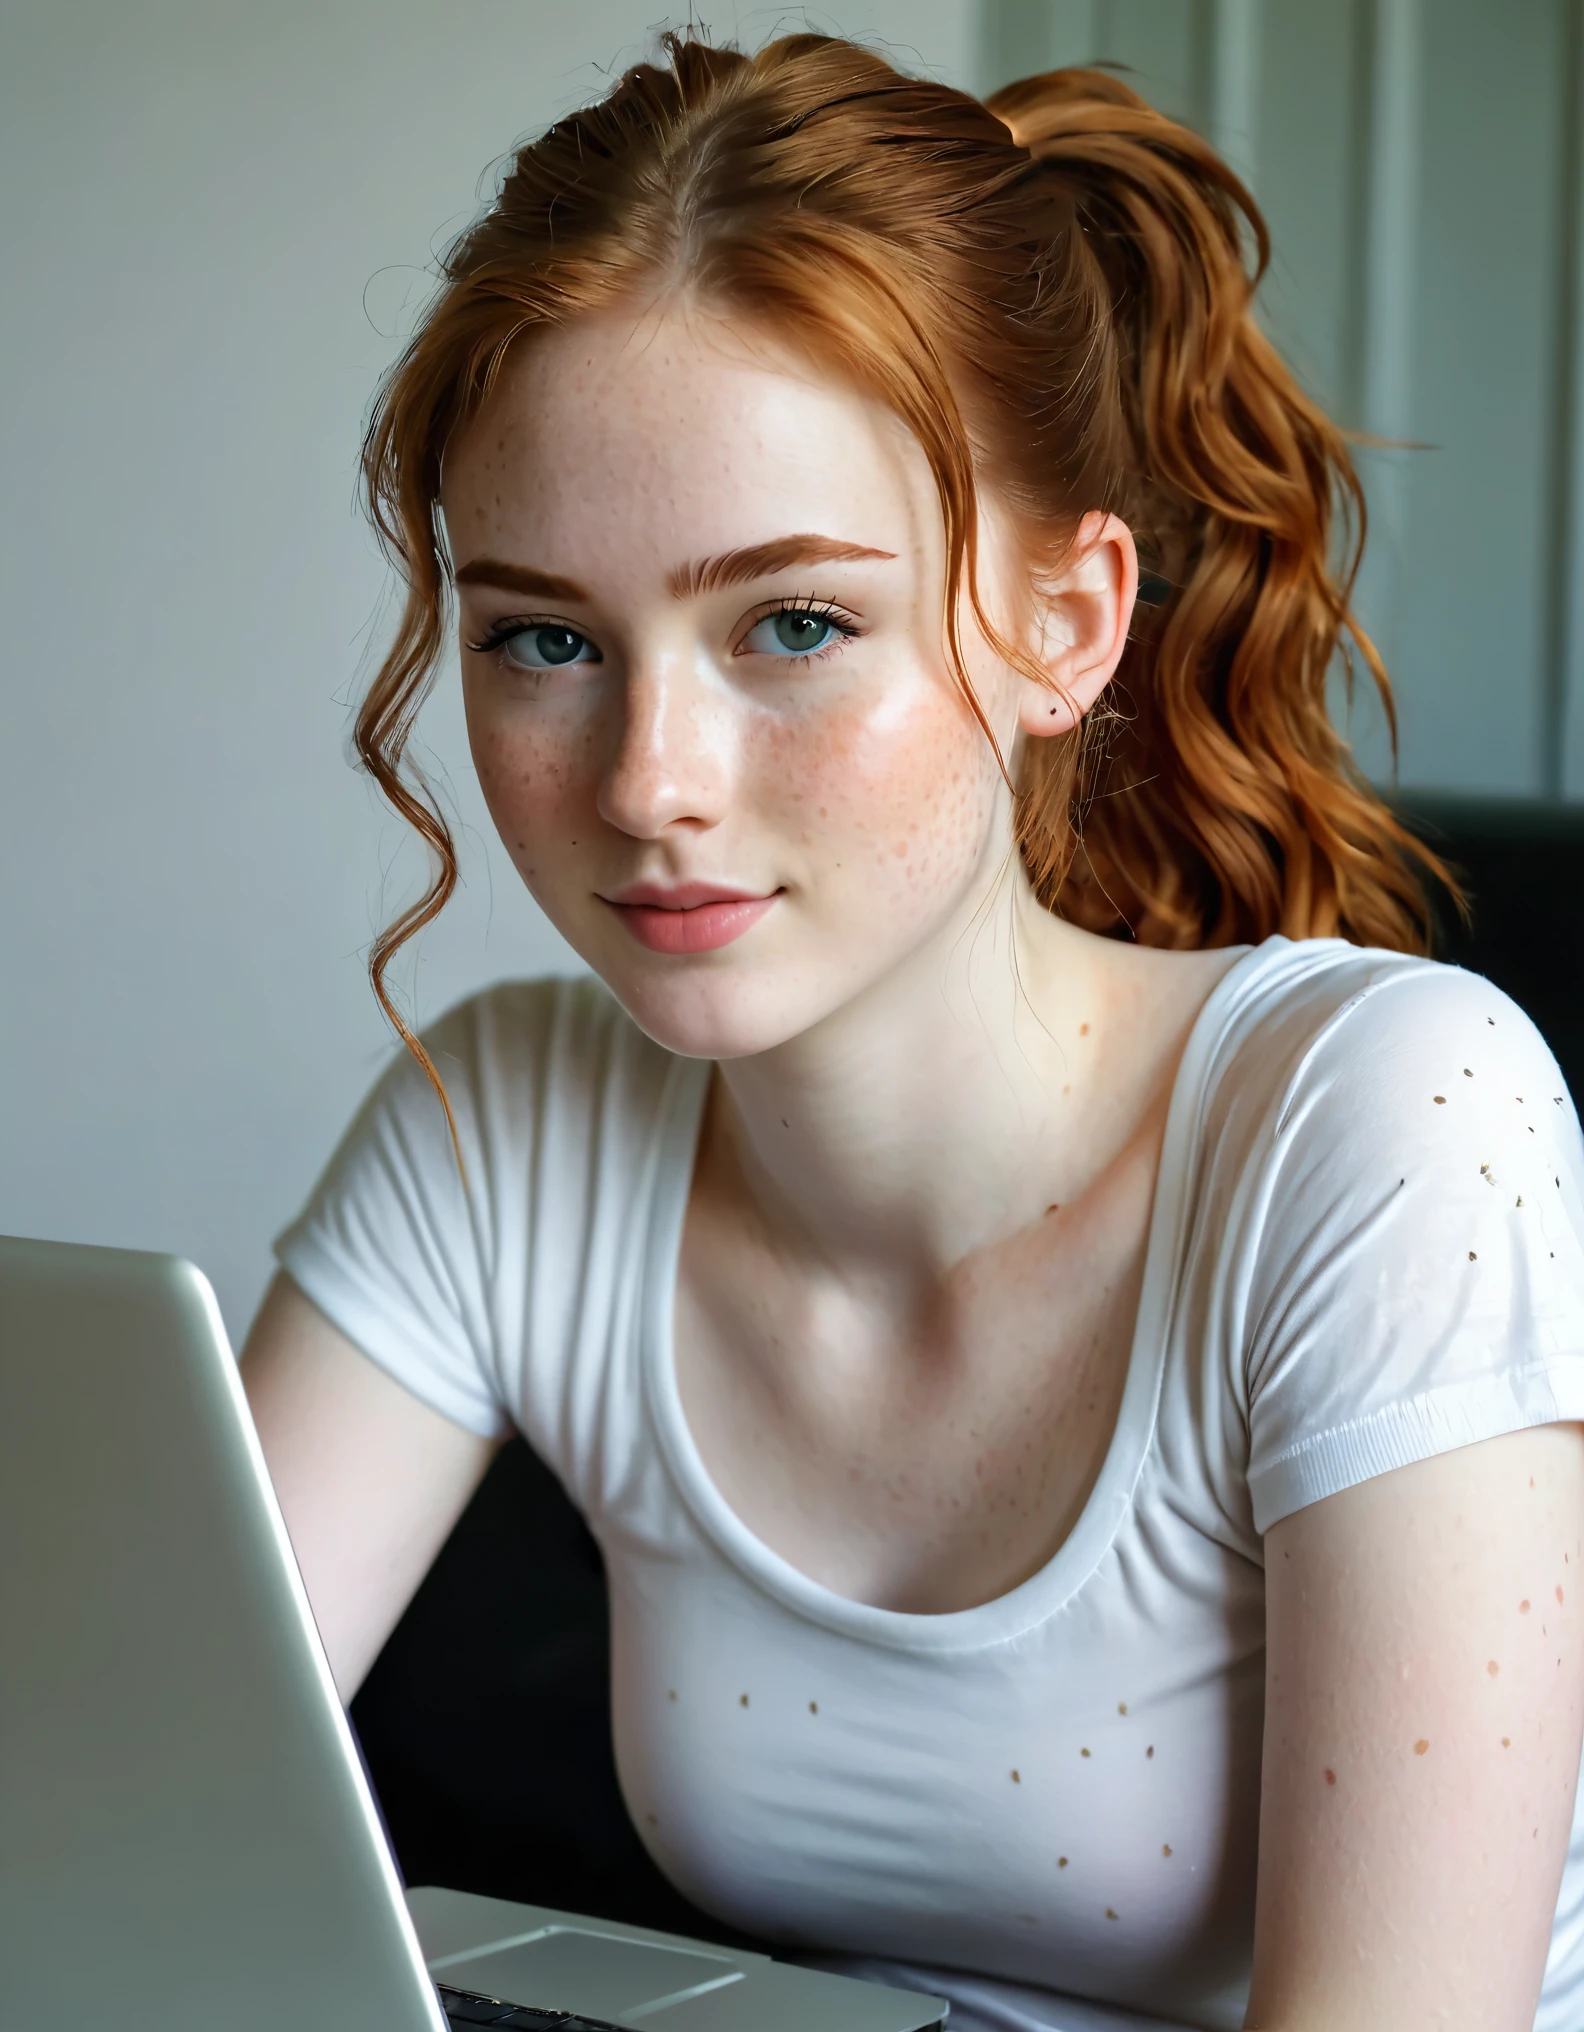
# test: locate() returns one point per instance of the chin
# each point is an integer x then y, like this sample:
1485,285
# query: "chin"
715,1013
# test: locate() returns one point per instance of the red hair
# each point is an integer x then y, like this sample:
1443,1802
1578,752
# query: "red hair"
1051,291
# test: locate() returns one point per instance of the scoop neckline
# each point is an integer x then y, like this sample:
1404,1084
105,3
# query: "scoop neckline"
1045,1591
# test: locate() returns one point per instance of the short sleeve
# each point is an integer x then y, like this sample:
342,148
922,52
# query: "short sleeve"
1416,1278
398,1247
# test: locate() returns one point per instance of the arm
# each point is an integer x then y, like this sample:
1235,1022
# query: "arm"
370,1480
1424,1712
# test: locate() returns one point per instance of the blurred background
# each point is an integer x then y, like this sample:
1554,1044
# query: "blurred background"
219,218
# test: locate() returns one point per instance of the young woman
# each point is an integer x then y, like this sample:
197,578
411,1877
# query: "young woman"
1066,1329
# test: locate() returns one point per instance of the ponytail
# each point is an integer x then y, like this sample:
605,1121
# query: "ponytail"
1217,802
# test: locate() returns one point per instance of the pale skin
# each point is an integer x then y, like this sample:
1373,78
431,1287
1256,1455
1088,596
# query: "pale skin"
915,1237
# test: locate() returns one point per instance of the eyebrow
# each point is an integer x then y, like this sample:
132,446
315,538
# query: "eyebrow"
703,575
519,578
759,560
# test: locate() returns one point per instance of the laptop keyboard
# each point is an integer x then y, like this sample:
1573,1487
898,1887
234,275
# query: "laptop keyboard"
468,2007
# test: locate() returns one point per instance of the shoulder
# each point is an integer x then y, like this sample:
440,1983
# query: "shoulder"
1399,1233
534,1072
521,1043
517,1029
1318,1041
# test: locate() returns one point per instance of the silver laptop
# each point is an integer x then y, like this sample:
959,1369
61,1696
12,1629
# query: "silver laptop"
187,1840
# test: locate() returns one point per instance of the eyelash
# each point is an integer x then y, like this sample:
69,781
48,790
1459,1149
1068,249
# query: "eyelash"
503,631
842,623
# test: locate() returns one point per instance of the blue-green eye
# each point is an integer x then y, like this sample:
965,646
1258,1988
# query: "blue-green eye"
545,646
793,631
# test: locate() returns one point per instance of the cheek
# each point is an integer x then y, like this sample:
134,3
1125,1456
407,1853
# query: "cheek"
536,775
901,792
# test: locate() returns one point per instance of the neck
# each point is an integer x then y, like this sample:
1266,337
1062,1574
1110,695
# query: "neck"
944,1107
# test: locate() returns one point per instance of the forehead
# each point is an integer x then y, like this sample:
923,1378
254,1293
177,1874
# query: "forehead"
677,434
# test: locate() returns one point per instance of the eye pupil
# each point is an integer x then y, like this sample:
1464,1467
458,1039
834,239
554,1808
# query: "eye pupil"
796,629
557,645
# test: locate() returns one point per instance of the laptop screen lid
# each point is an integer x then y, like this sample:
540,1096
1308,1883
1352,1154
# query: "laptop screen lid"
186,1836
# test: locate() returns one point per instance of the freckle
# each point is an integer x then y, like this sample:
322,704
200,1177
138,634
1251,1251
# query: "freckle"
1016,1780
1083,1029
1061,1862
1083,1753
1439,1099
1506,1742
1066,1090
1330,1777
1523,1608
671,1693
742,1700
813,1707
1150,1751
652,1819
1493,1668
1122,1704
1165,1848
1421,1746
1472,1257
1109,1913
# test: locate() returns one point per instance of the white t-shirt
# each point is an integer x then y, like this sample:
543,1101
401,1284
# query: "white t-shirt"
1367,1247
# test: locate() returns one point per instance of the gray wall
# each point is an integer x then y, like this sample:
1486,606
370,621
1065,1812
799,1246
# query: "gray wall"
216,215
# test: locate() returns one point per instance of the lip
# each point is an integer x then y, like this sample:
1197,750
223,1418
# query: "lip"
692,917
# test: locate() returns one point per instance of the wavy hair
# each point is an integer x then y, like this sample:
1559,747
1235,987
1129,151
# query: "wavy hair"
1053,291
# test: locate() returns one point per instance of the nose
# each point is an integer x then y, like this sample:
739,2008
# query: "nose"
671,764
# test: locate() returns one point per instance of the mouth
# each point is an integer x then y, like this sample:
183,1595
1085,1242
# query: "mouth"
693,917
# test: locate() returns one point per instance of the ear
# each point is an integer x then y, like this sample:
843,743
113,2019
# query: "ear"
1082,613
